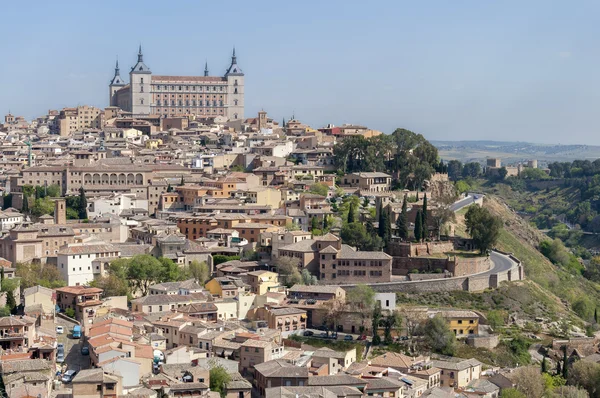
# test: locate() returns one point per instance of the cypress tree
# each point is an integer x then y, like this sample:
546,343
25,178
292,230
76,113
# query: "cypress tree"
596,315
425,233
169,188
401,224
418,226
182,182
351,215
385,227
565,367
381,224
25,207
558,369
82,204
544,365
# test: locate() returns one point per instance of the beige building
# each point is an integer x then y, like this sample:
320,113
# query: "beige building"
458,373
81,118
169,96
264,196
96,383
262,282
370,182
254,352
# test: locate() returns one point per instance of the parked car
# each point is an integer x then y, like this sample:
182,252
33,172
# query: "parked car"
309,333
60,347
362,337
322,327
85,350
77,332
323,335
60,357
348,337
60,330
68,376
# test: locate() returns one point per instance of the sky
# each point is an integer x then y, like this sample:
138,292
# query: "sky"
451,70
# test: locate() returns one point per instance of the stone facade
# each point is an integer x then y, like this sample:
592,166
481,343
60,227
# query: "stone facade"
170,96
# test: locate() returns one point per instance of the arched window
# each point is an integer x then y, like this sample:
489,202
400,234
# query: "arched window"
235,102
142,101
235,90
235,115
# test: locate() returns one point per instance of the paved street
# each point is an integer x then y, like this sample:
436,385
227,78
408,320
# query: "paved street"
73,358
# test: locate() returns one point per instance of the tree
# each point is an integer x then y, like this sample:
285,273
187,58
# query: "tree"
219,377
319,189
472,170
39,274
402,221
502,172
335,309
496,319
143,270
70,312
42,206
462,186
568,392
596,315
439,336
314,223
529,381
418,226
308,278
361,299
483,227
586,375
584,307
388,322
351,213
112,285
376,317
287,268
385,228
512,393
25,206
356,234
182,182
199,271
544,365
414,319
455,168
170,271
82,204
220,259
425,215
565,367
366,202
169,188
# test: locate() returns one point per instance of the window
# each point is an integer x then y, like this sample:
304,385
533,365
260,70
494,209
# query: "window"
460,321
99,387
141,101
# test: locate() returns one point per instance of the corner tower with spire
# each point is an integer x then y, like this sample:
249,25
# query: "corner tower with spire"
235,89
140,78
115,85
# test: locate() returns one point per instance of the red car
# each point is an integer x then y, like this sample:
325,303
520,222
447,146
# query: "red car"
362,337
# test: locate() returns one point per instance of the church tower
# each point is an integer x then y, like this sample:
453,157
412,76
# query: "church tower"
235,90
140,79
115,84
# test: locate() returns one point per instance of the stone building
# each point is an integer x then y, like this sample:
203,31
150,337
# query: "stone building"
205,96
80,118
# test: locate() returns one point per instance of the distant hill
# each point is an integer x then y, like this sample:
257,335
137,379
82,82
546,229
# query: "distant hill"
513,152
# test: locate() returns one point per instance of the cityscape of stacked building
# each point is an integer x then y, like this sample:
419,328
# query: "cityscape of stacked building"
169,245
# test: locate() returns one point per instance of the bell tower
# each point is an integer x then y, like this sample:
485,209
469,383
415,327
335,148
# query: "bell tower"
140,79
235,90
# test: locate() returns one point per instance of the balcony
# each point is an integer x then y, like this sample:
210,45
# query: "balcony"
5,336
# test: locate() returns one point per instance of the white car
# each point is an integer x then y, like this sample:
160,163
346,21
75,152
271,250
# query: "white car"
60,330
68,376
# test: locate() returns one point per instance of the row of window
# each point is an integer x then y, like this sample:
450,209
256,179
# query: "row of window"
159,87
191,103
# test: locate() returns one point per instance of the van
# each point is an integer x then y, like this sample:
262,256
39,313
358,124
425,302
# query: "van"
77,332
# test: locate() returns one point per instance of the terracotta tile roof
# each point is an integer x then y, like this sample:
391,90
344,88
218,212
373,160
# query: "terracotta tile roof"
79,290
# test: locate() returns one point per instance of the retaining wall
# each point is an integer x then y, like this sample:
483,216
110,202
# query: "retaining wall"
472,283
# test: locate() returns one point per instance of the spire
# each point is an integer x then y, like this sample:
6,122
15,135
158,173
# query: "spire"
140,55
233,57
234,69
206,68
117,67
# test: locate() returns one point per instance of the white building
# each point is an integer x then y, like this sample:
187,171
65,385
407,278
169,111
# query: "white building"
387,300
76,265
9,218
116,204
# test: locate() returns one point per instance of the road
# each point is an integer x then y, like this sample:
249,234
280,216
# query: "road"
467,201
501,263
73,358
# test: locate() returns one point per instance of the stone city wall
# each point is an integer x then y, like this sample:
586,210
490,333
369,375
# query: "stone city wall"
490,342
469,266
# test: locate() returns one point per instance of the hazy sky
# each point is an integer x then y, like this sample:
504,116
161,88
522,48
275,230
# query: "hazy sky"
505,70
